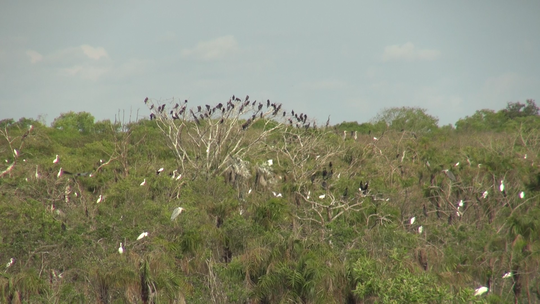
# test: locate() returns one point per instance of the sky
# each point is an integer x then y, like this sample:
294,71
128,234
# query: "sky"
345,59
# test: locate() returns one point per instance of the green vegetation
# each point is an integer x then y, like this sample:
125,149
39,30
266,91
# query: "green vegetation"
238,240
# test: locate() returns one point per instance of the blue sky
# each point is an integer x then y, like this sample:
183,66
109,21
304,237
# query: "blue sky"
347,59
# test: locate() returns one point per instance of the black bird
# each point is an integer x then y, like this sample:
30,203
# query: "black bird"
198,108
238,99
260,106
247,97
146,100
424,210
267,103
324,185
254,102
346,193
324,173
207,107
363,188
284,113
152,116
330,165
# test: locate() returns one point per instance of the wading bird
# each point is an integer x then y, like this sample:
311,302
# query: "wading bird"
412,220
501,186
522,195
176,213
507,275
11,261
143,182
100,199
56,160
142,235
59,173
420,230
485,194
120,249
480,291
159,171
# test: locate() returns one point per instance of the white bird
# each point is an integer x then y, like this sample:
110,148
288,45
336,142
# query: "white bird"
176,212
279,195
59,173
420,229
100,199
37,173
174,174
412,220
507,275
270,162
56,160
179,176
480,291
16,152
159,171
249,192
375,138
322,196
460,204
120,249
501,187
143,182
522,195
456,165
144,234
525,156
11,261
308,194
485,194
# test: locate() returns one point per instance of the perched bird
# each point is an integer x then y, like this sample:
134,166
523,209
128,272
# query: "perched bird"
507,275
11,261
143,182
412,220
501,186
142,235
120,249
480,291
100,199
176,213
56,160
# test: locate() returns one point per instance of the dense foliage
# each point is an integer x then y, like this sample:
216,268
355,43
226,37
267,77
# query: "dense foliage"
273,212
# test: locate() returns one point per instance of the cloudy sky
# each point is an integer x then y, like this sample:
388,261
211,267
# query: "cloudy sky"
347,59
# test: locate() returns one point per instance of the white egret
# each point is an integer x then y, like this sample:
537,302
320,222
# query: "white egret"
412,220
507,275
59,173
322,196
143,182
144,234
308,194
480,291
457,164
485,194
270,162
11,261
420,229
375,138
120,249
16,152
179,176
501,186
176,212
460,204
37,173
100,199
56,160
522,195
249,192
174,174
525,156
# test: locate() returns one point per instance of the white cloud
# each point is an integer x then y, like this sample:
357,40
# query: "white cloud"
86,71
94,53
408,52
213,49
34,56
